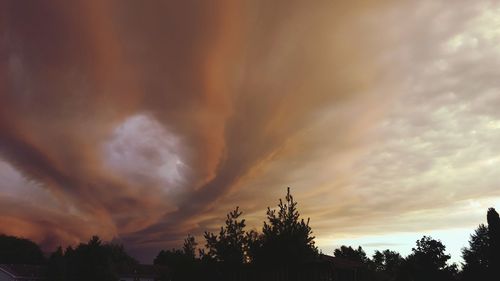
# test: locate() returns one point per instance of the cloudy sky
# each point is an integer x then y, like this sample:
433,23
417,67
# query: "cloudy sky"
145,121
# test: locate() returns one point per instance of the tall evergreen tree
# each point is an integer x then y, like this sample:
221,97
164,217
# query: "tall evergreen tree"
189,247
494,238
476,257
286,238
229,246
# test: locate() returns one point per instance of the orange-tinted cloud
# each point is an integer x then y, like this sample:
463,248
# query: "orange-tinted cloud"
143,121
232,82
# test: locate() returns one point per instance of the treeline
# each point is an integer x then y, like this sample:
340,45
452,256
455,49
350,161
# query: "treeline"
233,253
93,260
286,243
283,250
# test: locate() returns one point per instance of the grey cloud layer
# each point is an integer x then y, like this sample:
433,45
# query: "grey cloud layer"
436,151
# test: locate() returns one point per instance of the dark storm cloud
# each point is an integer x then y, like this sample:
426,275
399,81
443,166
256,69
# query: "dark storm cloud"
74,72
145,120
233,82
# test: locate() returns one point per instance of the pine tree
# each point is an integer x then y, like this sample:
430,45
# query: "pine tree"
229,246
189,247
476,257
494,238
286,238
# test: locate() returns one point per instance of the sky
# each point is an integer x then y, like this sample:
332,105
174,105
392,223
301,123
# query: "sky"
143,121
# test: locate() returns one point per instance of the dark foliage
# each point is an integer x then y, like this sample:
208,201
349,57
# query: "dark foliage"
481,258
57,266
229,246
14,250
494,238
476,259
349,253
189,247
286,238
91,261
284,250
183,264
431,253
388,263
428,262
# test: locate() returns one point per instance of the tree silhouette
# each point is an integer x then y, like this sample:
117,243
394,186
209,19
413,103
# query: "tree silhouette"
494,238
178,258
431,252
286,238
254,245
178,262
285,248
229,246
56,266
14,250
482,257
349,253
428,262
189,247
93,260
172,258
387,262
378,260
476,257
